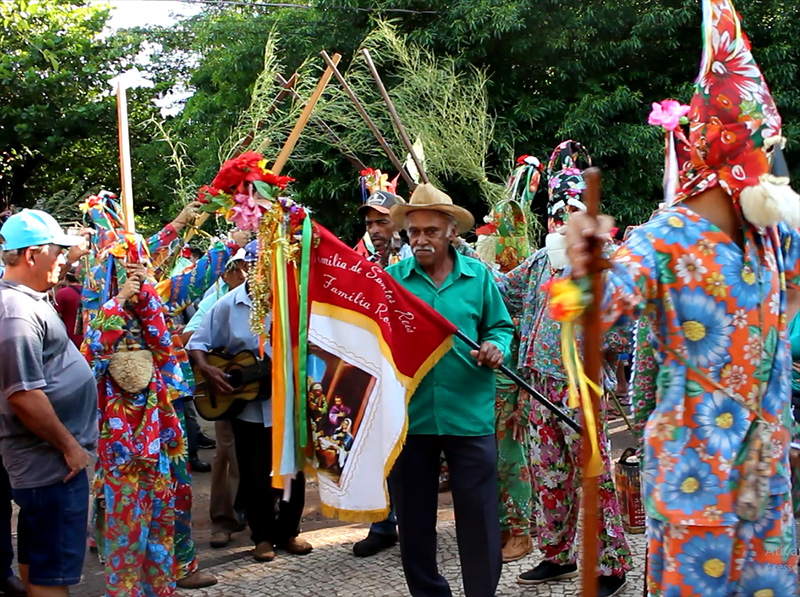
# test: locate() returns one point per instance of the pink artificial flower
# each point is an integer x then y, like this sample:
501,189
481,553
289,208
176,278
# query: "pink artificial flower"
246,218
244,199
668,114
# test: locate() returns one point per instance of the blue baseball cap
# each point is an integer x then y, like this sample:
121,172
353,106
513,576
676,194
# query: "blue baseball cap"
31,228
251,251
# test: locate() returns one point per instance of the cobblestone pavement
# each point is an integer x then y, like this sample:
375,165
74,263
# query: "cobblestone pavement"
332,570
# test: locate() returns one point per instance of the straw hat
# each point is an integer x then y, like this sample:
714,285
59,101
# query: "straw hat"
428,197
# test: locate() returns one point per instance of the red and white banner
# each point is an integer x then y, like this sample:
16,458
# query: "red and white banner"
370,343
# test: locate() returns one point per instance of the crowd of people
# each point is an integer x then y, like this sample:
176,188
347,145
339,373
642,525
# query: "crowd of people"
99,331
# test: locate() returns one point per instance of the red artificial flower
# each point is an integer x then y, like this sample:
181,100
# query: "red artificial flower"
487,229
278,181
247,167
367,173
204,191
521,160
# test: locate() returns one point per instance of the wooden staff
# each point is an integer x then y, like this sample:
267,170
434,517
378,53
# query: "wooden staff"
360,109
126,183
351,157
283,156
395,118
285,90
290,144
593,367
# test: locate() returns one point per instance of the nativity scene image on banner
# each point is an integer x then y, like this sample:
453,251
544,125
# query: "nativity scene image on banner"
338,394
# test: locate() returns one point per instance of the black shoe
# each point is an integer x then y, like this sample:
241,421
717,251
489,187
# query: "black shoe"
199,466
373,544
204,442
12,587
607,586
547,571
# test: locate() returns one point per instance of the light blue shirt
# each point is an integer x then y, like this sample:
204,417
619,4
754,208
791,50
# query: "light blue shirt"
204,306
227,326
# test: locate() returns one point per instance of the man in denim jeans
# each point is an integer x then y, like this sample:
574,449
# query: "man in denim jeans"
48,407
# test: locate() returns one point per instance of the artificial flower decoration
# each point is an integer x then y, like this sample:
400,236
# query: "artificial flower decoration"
568,299
669,114
231,191
375,180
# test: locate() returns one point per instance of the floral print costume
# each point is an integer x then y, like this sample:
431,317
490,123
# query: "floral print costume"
719,330
555,456
513,470
139,435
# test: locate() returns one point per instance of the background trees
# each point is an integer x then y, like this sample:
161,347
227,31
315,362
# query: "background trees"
556,70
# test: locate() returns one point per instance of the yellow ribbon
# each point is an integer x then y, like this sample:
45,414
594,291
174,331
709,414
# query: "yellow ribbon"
579,396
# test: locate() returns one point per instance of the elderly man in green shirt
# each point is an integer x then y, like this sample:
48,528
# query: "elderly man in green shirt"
452,410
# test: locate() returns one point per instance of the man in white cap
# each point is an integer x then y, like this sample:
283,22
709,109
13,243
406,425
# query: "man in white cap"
48,406
452,410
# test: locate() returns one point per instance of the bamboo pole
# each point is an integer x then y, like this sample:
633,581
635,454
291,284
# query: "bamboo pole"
593,367
283,156
126,183
360,109
351,157
395,117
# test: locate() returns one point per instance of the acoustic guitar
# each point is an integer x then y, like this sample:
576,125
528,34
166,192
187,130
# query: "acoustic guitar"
249,376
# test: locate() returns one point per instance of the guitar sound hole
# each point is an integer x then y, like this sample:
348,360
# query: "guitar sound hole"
235,378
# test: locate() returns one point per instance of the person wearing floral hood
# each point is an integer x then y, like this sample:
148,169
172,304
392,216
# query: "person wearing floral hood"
556,450
711,273
141,420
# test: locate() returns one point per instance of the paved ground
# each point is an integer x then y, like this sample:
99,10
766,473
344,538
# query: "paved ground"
332,570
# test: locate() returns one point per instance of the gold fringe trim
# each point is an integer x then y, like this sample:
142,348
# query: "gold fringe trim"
355,515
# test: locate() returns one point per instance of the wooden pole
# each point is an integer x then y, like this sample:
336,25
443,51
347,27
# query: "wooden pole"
291,142
592,364
351,157
286,89
360,109
283,156
395,117
126,183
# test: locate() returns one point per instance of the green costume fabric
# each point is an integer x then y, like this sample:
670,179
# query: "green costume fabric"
513,471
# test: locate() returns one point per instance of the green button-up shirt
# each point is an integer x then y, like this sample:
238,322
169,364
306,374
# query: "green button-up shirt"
457,396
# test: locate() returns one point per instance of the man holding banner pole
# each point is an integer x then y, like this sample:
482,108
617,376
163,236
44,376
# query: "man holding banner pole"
452,409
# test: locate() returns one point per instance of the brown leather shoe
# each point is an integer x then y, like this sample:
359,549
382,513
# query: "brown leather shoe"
220,539
264,552
504,537
197,580
517,548
13,587
298,547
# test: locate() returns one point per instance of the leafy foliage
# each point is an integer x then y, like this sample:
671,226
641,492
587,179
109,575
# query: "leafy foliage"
546,71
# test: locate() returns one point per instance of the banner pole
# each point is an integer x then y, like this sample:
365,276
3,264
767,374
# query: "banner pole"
525,386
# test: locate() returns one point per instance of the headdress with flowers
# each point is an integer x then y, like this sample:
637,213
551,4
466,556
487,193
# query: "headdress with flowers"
735,125
375,180
232,192
565,185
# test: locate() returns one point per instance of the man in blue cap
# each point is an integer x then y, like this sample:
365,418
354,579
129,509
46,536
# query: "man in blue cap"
48,406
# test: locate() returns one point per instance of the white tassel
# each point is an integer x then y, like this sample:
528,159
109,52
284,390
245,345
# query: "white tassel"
770,202
670,171
556,245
